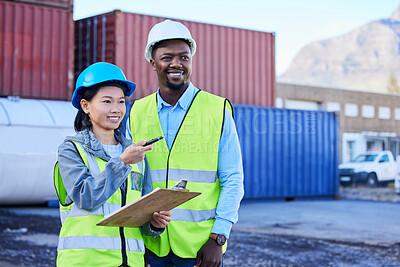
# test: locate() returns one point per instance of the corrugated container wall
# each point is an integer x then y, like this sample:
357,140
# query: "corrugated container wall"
66,4
235,63
36,51
288,153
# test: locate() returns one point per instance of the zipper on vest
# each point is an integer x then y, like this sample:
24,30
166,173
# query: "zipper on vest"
177,132
121,229
166,176
169,153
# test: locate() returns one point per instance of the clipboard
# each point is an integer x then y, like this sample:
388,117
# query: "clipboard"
140,211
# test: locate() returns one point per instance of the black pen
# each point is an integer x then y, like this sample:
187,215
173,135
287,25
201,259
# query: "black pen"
154,140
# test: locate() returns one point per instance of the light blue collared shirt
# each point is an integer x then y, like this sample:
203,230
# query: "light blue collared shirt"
230,169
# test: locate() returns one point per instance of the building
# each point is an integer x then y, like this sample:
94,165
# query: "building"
367,120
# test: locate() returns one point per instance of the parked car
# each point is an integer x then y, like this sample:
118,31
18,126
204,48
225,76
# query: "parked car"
372,168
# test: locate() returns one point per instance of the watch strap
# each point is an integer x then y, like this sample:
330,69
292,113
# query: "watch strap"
213,236
220,239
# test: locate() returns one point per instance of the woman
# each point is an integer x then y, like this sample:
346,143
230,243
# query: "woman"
98,172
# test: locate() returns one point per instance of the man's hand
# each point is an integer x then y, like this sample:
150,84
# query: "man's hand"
210,255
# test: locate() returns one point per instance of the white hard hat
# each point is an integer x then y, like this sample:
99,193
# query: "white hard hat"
168,30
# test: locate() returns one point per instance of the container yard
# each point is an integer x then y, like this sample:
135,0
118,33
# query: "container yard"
287,154
225,64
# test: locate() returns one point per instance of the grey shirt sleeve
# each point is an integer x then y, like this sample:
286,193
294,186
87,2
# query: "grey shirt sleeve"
147,230
87,191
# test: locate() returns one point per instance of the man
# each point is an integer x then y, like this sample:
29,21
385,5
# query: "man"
200,146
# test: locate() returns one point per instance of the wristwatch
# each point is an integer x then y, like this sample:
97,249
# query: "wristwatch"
220,239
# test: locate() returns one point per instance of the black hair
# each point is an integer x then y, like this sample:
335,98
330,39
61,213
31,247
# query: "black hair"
156,45
82,120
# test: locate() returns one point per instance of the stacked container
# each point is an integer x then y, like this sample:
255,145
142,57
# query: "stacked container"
36,49
286,153
235,63
282,159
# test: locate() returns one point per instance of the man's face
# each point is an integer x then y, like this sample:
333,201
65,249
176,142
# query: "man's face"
172,60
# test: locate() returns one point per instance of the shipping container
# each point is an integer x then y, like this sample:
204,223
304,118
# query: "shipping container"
36,51
65,4
288,153
238,64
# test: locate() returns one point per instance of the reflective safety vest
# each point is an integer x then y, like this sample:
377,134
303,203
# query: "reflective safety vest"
81,241
194,157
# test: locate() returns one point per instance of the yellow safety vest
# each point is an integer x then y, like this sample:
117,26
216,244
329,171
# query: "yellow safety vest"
193,157
81,241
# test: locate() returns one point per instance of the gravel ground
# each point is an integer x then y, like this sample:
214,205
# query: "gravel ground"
32,240
364,193
270,250
28,240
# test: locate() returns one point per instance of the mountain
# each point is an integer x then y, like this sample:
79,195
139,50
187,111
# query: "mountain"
363,59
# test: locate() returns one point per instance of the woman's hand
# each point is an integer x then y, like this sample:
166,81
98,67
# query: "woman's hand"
161,219
135,153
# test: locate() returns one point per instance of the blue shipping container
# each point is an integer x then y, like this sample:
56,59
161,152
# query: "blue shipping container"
288,153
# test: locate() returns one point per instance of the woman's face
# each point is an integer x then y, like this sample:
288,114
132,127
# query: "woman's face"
107,108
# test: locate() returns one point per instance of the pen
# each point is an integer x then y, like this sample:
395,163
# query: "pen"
154,140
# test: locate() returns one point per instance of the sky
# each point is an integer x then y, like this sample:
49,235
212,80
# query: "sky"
295,23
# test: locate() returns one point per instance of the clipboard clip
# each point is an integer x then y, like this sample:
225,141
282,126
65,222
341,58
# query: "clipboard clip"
181,185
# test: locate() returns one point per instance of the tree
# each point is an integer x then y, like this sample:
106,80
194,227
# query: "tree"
393,87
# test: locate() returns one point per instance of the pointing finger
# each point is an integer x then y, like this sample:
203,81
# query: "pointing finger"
142,143
147,148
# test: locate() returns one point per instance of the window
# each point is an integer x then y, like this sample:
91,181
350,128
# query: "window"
279,102
384,158
350,150
351,110
333,106
368,111
384,113
397,114
376,145
365,158
302,105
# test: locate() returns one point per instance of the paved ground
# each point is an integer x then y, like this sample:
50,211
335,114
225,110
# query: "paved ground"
375,223
269,233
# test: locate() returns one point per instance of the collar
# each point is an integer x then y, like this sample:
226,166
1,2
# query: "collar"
184,101
87,139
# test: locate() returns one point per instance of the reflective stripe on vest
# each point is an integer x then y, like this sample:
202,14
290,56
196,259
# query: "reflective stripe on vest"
80,235
96,242
194,157
105,209
191,176
192,215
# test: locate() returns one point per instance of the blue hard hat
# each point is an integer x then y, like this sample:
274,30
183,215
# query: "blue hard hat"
98,73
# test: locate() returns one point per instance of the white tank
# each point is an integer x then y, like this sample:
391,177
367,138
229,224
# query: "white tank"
30,133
